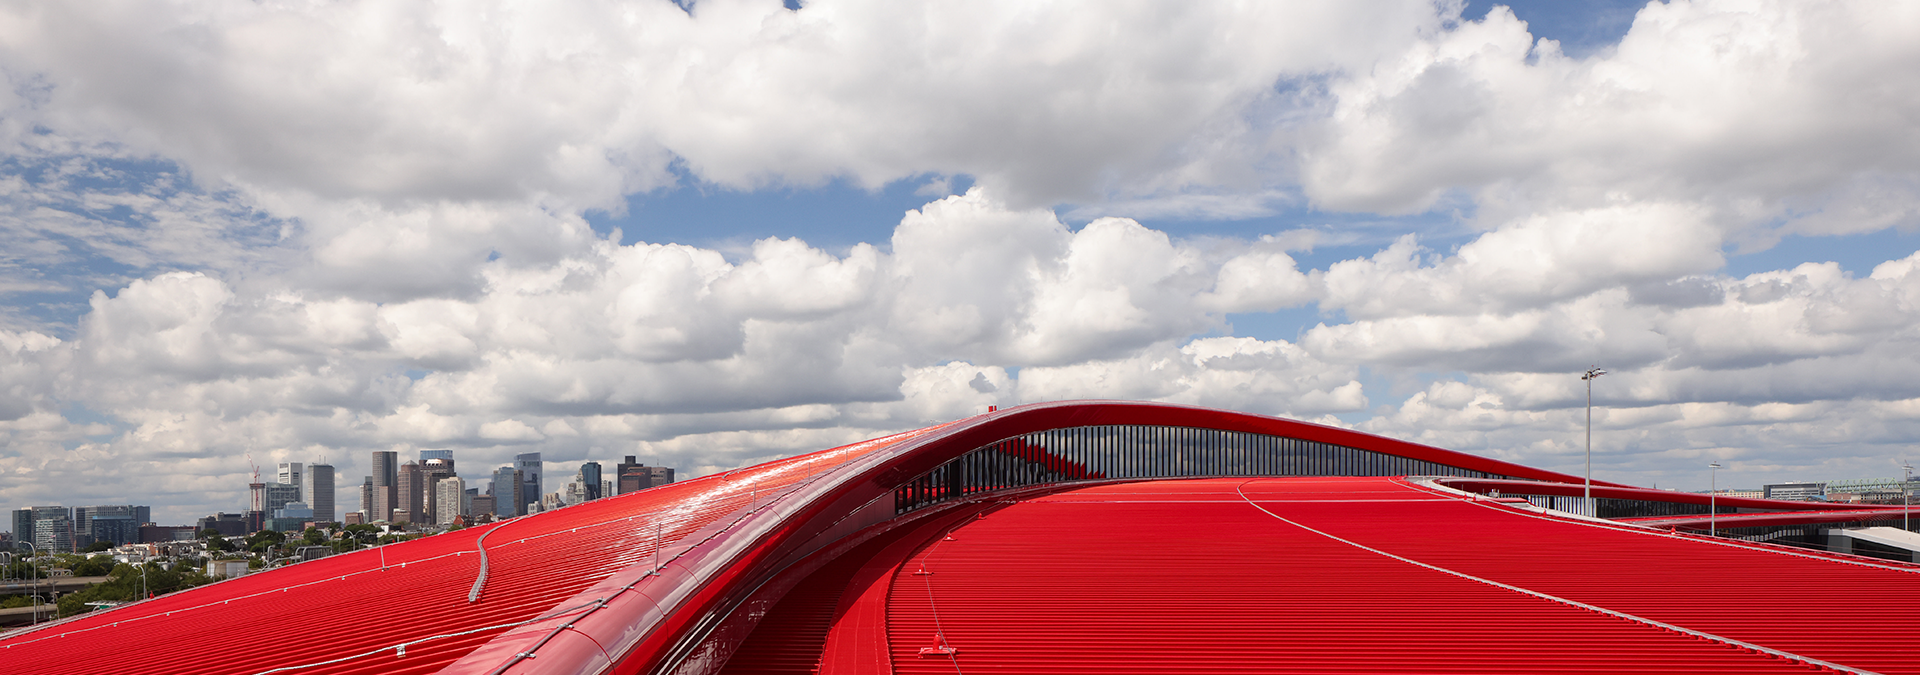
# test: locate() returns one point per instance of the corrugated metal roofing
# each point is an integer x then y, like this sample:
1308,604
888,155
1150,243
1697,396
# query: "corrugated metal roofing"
1212,574
1343,575
403,608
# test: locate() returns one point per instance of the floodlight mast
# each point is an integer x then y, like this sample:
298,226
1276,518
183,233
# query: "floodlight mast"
1906,482
1713,496
1586,493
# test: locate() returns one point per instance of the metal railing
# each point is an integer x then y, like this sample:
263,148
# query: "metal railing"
1144,451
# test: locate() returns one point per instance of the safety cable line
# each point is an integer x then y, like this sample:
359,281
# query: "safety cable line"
1616,526
939,629
1554,598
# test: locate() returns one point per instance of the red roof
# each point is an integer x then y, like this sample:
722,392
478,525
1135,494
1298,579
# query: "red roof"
1325,575
810,563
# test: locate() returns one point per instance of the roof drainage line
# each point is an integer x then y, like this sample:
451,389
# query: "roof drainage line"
1634,528
480,581
1554,598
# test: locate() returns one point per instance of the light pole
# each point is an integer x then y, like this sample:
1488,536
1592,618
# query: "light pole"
35,566
1906,478
1586,494
1713,499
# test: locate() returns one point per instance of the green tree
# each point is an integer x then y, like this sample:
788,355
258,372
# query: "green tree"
217,543
95,566
265,541
315,537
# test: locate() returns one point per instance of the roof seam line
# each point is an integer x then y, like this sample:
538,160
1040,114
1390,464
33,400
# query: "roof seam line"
1554,598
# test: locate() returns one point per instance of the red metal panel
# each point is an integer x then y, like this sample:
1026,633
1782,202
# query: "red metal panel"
1184,576
349,613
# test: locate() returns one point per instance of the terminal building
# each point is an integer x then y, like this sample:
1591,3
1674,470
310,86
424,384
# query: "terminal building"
1092,536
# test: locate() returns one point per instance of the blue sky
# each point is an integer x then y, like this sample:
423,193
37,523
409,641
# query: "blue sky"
299,231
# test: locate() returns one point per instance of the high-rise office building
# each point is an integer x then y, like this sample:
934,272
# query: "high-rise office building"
507,501
278,496
630,476
117,524
432,471
622,469
435,454
23,524
530,485
590,480
451,493
386,477
290,474
411,488
366,501
317,492
52,529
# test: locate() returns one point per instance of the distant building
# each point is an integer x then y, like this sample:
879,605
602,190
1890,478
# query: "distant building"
590,481
227,569
432,471
506,491
157,534
290,518
482,505
355,518
366,496
450,493
23,524
386,479
227,524
317,491
280,495
435,454
530,484
620,470
636,477
290,474
412,490
1803,492
49,528
118,524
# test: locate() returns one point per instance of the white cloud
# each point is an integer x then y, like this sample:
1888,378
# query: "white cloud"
326,229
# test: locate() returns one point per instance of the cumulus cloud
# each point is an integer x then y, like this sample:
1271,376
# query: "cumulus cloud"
285,231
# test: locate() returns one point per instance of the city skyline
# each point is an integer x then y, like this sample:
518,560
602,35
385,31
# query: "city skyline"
715,233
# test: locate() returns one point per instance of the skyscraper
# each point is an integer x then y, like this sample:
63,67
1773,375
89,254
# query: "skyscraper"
317,491
116,524
530,489
431,472
366,501
290,474
386,476
622,469
435,454
506,493
52,529
450,491
412,488
590,480
23,524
